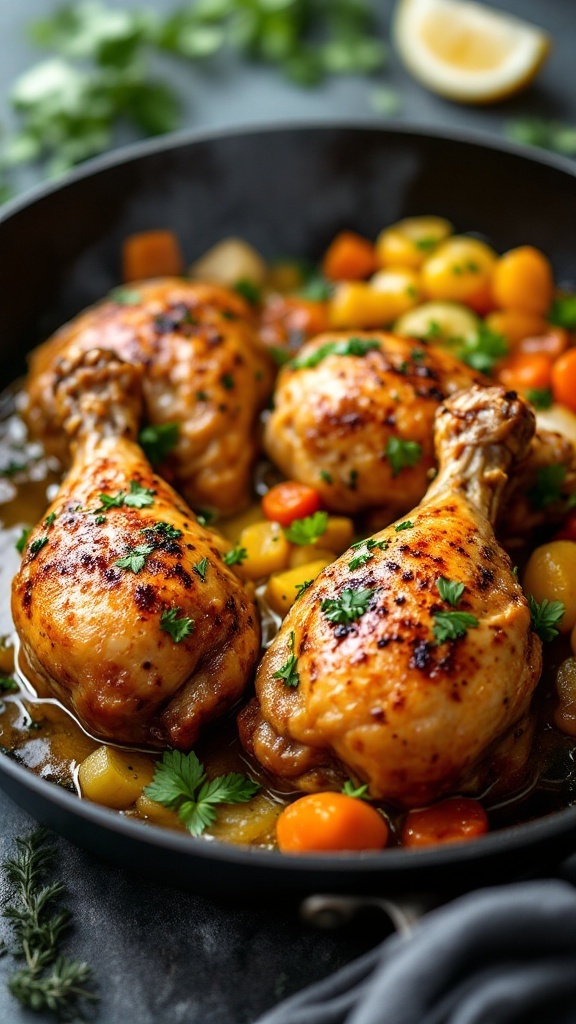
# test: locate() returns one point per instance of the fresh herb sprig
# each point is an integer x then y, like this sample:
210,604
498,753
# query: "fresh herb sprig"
345,347
181,784
288,672
158,440
49,982
402,454
452,625
546,617
178,628
307,530
352,604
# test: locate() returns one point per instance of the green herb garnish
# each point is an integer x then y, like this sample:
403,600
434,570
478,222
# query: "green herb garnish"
325,476
450,590
180,783
125,296
49,520
158,440
248,290
23,539
563,312
236,556
349,347
546,616
546,134
301,588
36,545
139,497
401,453
540,398
365,556
548,487
200,568
307,530
135,558
227,381
349,606
178,628
8,685
481,351
163,529
288,673
358,792
406,525
452,625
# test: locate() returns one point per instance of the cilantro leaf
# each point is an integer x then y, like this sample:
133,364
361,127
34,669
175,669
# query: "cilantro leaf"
365,556
406,525
563,312
36,545
200,568
548,487
449,590
135,558
139,497
288,672
23,539
452,625
8,685
307,530
176,775
49,520
540,398
350,605
177,628
163,529
249,290
158,440
401,453
546,616
348,347
301,588
236,556
109,501
481,351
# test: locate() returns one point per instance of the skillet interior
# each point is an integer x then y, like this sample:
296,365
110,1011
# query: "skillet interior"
287,191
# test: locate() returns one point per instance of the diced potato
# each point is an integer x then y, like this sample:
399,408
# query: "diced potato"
338,534
283,587
113,777
303,554
246,823
267,550
360,304
408,242
558,418
157,813
232,528
565,714
551,574
285,276
228,262
438,321
460,271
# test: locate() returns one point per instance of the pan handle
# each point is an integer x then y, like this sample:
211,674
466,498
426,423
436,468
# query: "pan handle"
327,911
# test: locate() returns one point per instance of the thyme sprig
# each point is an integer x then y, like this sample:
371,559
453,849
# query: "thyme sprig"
49,981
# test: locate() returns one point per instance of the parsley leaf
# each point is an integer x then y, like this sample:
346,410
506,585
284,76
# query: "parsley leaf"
548,487
563,312
49,520
540,398
164,529
349,606
325,476
23,539
110,501
37,545
449,590
348,347
139,497
249,290
8,685
158,440
201,567
406,525
135,558
358,792
177,628
365,556
125,296
546,616
288,672
401,453
307,530
236,556
301,588
180,784
452,625
481,351
546,134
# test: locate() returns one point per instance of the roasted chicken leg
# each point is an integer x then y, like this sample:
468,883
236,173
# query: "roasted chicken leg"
411,658
123,605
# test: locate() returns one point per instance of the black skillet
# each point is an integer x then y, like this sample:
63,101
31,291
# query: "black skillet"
287,191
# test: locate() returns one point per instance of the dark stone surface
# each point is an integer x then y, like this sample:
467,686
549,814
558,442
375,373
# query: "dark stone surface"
160,956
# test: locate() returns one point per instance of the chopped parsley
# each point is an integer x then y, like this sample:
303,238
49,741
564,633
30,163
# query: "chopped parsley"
49,520
227,381
201,567
279,356
158,440
426,244
110,501
546,616
563,312
316,289
125,296
352,479
163,529
135,558
450,590
301,588
365,556
540,398
548,487
248,290
23,539
348,347
288,673
180,783
325,476
12,467
236,556
202,396
406,525
8,685
401,453
481,351
139,497
358,792
177,628
307,530
417,355
37,545
100,520
544,133
349,606
452,625
203,516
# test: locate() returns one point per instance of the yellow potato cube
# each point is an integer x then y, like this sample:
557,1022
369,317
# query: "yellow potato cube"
267,550
360,304
283,587
157,813
246,823
114,778
338,534
303,554
410,241
232,528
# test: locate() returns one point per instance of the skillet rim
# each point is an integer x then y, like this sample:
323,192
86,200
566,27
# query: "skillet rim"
517,838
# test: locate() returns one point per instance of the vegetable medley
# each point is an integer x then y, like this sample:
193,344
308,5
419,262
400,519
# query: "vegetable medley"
503,317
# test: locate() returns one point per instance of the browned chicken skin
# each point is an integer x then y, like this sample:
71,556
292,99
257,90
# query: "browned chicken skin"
204,368
93,630
384,696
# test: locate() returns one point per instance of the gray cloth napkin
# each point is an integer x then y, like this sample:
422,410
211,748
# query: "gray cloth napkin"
499,956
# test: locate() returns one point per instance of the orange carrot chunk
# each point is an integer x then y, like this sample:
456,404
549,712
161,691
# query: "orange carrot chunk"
564,379
450,821
523,280
289,501
151,254
330,821
525,371
349,257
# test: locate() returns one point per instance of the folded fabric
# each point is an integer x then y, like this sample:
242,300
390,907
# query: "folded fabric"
498,956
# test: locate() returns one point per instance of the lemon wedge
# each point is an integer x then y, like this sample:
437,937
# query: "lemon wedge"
466,51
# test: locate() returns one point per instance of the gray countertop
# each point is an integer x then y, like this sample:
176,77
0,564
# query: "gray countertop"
160,955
